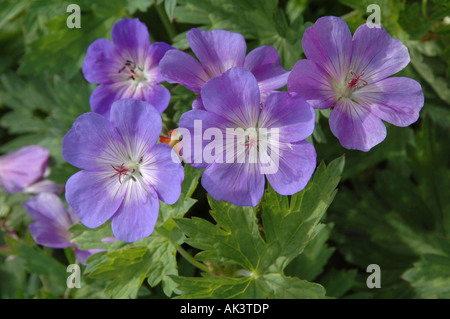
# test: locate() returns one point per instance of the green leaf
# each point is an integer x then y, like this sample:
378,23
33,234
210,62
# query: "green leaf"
311,262
169,6
266,286
290,226
125,268
61,49
404,215
262,253
430,277
37,262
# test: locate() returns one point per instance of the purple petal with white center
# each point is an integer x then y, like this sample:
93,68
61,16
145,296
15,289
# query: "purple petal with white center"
233,95
264,63
139,124
94,196
395,100
100,64
329,43
377,54
355,126
92,143
132,38
51,220
162,170
179,67
313,83
192,147
23,167
217,50
291,114
297,162
239,184
155,53
137,216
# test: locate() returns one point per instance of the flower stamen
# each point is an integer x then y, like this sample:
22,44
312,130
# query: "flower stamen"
122,170
356,80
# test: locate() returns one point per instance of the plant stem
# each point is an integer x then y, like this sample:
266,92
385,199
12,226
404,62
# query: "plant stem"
166,22
191,260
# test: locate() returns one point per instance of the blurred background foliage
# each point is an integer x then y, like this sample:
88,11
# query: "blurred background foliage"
392,207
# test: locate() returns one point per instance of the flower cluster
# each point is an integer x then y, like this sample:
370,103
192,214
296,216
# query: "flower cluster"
241,130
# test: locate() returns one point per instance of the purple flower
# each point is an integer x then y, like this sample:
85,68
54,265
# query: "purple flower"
218,51
22,168
52,222
126,68
271,134
124,173
350,75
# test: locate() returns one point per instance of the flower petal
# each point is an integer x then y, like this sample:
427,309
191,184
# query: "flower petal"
192,127
48,208
377,54
162,169
157,95
291,114
100,64
155,53
105,94
44,186
355,127
51,220
297,162
217,50
198,104
49,236
233,95
94,196
313,83
23,167
92,143
139,124
395,100
264,63
329,43
131,38
137,216
179,67
239,184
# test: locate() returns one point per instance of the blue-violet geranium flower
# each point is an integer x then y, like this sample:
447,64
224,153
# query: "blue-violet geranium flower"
125,172
351,75
127,67
236,173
